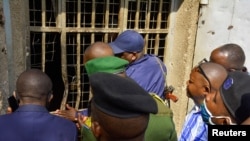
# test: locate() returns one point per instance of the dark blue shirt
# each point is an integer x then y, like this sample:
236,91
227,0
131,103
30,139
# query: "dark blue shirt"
35,123
148,74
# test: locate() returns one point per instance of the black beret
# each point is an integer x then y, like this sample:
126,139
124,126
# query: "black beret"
120,96
234,89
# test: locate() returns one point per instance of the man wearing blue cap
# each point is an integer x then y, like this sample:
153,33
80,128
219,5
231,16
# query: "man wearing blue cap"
160,126
147,70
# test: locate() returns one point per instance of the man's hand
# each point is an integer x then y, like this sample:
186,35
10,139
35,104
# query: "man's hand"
69,113
9,110
169,94
81,120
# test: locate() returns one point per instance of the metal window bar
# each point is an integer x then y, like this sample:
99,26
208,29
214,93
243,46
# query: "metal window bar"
78,76
62,21
43,35
34,13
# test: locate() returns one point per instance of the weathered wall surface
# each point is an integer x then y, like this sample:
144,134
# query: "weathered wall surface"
20,33
13,42
221,22
180,54
3,58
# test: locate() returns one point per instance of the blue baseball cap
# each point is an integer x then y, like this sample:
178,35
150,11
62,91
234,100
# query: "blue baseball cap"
128,41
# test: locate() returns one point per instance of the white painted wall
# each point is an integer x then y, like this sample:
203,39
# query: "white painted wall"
213,27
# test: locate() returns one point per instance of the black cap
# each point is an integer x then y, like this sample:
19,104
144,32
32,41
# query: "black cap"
234,89
243,112
120,96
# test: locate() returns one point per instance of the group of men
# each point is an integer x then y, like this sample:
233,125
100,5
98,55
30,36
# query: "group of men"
219,90
128,62
127,97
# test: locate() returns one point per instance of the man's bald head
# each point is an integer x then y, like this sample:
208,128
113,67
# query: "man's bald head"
231,56
96,50
33,83
215,73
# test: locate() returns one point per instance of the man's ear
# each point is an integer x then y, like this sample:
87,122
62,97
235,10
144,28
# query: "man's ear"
134,56
206,89
50,97
96,129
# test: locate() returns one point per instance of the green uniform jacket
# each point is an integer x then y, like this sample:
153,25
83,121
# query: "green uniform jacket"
160,127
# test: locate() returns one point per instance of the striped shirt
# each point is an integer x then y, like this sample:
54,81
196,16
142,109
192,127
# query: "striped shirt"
194,129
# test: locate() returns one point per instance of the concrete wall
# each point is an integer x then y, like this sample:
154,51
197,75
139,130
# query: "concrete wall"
3,58
223,21
180,52
13,45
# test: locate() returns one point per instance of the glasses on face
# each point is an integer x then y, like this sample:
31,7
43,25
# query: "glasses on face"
202,72
204,60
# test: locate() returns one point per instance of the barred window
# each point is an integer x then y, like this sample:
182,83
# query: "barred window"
60,31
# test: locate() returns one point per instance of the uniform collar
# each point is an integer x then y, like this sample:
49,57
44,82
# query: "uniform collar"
31,108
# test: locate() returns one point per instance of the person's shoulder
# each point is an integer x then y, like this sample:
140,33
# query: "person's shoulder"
64,125
163,109
150,57
161,125
145,62
62,121
5,117
152,60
